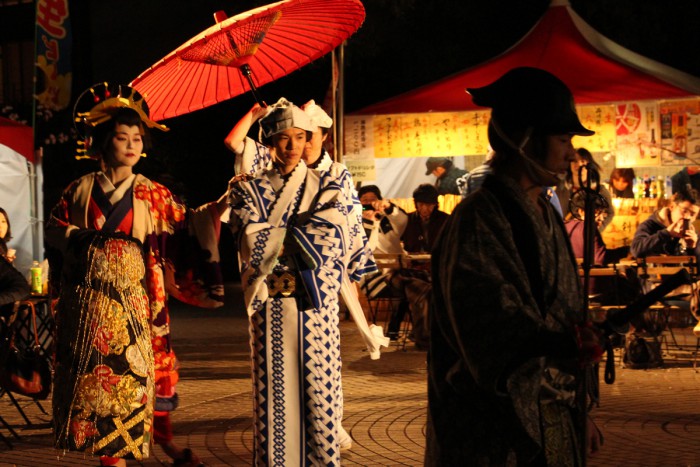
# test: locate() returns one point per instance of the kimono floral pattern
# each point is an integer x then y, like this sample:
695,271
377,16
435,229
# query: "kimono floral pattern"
114,293
104,393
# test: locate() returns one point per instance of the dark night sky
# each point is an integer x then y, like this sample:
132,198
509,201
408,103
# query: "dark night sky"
403,44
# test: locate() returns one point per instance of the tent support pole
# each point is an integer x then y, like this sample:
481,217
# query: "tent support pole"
339,123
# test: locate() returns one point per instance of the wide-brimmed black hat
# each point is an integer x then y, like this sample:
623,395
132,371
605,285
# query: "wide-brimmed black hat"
530,97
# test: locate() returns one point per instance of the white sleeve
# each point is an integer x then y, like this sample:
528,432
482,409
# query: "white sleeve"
251,157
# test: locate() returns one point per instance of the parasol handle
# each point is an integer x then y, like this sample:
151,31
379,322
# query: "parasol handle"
220,16
247,73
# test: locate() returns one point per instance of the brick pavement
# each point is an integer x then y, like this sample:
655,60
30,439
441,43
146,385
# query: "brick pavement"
649,417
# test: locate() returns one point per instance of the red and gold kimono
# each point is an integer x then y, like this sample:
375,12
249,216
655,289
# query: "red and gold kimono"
121,251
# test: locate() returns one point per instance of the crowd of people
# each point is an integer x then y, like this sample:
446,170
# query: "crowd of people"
500,303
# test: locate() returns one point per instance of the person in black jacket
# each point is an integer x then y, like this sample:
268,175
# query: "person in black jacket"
13,286
423,227
425,223
507,338
670,230
447,174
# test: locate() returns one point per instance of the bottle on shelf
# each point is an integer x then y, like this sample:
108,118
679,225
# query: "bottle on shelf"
640,187
647,186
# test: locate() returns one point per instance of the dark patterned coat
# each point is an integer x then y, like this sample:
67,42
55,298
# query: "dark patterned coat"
447,184
506,298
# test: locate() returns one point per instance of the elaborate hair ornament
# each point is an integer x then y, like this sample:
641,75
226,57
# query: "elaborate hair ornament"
99,103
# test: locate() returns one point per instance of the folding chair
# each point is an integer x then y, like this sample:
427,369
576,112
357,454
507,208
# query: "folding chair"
20,323
651,270
380,295
416,290
5,323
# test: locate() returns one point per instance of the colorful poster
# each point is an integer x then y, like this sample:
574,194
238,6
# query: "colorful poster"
630,130
676,131
601,119
694,136
53,54
637,130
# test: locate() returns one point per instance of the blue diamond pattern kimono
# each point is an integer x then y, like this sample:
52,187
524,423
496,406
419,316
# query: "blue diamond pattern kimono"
295,341
254,157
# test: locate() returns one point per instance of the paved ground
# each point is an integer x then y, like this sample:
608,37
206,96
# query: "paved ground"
649,417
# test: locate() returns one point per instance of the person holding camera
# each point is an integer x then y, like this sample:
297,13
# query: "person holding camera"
383,221
669,231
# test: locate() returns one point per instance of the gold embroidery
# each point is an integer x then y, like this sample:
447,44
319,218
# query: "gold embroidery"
112,326
109,320
107,394
121,431
120,263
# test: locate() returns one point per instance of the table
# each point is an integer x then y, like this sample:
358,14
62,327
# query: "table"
417,262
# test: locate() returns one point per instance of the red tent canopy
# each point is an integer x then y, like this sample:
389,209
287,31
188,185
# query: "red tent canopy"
18,137
596,69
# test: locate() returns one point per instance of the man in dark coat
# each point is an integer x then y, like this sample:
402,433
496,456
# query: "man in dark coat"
447,174
506,340
422,230
425,222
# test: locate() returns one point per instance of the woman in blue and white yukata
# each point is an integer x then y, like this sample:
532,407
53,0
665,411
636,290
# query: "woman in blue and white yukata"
296,244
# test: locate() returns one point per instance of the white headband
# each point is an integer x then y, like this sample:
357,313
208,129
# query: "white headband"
317,115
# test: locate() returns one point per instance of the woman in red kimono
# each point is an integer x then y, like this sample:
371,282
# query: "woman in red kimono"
122,244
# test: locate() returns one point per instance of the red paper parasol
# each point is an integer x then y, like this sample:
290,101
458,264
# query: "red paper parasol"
255,47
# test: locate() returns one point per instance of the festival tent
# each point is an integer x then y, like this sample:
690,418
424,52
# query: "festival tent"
20,193
595,68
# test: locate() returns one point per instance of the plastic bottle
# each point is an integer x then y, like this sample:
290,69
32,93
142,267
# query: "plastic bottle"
640,187
37,283
668,190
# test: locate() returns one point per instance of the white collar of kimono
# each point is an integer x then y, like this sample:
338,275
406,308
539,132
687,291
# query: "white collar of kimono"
289,189
114,194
